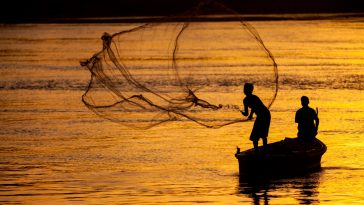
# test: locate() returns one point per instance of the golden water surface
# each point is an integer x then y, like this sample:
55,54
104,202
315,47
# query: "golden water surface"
53,150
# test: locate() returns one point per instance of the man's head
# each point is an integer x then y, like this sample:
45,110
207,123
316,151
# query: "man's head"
305,101
248,88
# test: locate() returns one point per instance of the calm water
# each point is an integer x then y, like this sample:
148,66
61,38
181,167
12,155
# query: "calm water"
54,150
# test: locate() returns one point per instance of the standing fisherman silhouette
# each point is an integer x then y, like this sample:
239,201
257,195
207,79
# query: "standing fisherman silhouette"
262,122
307,120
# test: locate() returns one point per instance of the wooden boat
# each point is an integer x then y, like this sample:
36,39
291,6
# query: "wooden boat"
289,157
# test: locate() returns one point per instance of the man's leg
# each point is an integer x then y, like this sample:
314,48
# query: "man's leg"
265,142
256,149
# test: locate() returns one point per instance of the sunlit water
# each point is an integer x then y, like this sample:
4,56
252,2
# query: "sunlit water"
54,150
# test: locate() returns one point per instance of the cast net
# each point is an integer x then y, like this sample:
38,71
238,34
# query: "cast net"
184,68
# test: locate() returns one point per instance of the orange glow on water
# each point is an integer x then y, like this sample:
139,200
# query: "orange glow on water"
53,150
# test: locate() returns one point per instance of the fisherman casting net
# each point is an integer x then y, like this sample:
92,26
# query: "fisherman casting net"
183,68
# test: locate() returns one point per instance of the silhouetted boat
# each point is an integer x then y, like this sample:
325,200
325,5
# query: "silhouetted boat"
289,157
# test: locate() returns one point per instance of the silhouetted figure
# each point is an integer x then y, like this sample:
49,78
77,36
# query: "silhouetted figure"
307,120
262,122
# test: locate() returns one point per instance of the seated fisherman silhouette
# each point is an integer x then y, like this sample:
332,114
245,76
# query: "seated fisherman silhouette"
307,120
262,122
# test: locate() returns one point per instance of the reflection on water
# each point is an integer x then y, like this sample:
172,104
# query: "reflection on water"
53,150
303,189
257,190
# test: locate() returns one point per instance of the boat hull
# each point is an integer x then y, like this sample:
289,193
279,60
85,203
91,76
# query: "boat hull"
289,157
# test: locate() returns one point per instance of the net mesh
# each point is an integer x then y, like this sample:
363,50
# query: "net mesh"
182,68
